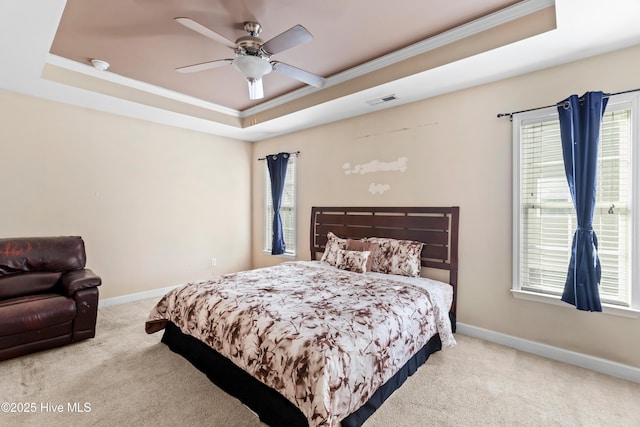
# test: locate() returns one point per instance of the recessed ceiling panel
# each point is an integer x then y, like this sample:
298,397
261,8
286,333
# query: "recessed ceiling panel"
141,40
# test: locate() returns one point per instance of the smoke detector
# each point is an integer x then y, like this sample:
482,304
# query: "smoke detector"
99,64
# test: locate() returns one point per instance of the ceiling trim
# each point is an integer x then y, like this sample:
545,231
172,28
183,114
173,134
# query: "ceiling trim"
89,70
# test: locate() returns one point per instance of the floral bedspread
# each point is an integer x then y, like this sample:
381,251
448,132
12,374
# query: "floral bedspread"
324,338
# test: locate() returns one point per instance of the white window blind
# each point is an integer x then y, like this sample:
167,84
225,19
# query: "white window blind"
547,218
287,209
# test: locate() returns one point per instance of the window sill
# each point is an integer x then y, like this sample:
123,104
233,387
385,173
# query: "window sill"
285,255
551,299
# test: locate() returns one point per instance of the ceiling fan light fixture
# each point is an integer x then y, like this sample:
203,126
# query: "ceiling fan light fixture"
252,67
255,89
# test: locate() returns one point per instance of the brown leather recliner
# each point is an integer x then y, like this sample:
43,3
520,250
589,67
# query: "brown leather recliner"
47,297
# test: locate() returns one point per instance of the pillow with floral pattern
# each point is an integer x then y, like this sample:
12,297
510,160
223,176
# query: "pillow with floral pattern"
361,245
355,261
393,256
334,244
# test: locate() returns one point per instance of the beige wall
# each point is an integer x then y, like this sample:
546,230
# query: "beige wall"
459,153
153,203
156,203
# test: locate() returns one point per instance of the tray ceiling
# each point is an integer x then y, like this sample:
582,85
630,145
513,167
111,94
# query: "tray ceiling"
368,51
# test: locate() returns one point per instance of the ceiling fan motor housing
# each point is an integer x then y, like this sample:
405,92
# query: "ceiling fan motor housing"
250,45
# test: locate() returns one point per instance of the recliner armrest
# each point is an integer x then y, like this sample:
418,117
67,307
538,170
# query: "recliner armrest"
76,280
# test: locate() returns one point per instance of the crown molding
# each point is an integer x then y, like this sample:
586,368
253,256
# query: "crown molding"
88,70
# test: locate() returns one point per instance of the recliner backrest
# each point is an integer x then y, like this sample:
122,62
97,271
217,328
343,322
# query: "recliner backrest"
33,265
31,254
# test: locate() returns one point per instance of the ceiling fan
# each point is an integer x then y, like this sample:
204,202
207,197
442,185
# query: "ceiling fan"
253,54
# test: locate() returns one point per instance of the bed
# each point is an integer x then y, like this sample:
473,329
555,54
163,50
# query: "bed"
324,342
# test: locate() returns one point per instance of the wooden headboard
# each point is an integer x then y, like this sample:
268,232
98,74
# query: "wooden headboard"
436,227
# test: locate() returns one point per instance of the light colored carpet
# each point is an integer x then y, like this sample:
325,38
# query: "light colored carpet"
129,378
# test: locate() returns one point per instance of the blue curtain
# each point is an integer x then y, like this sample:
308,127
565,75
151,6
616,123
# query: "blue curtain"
580,120
277,164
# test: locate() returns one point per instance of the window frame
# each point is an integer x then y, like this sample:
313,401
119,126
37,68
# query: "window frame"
629,100
292,180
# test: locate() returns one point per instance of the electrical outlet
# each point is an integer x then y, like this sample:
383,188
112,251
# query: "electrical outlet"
214,262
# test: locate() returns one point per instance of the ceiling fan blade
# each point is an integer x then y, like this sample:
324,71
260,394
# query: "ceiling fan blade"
294,36
199,28
298,74
204,66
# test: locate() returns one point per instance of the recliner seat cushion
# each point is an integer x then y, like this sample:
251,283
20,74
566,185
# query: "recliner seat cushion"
57,254
30,313
21,284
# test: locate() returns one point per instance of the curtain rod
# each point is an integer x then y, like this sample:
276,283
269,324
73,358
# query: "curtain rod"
606,95
265,158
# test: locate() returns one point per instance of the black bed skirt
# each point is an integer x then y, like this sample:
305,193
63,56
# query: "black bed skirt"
273,408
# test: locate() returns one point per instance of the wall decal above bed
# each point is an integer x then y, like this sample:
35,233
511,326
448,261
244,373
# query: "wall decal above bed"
378,188
373,166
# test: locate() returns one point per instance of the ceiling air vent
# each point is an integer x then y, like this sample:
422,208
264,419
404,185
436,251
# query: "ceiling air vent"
382,100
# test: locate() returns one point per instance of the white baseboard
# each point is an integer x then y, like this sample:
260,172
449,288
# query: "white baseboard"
603,366
154,293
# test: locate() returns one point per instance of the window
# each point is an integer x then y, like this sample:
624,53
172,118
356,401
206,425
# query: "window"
287,209
544,216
